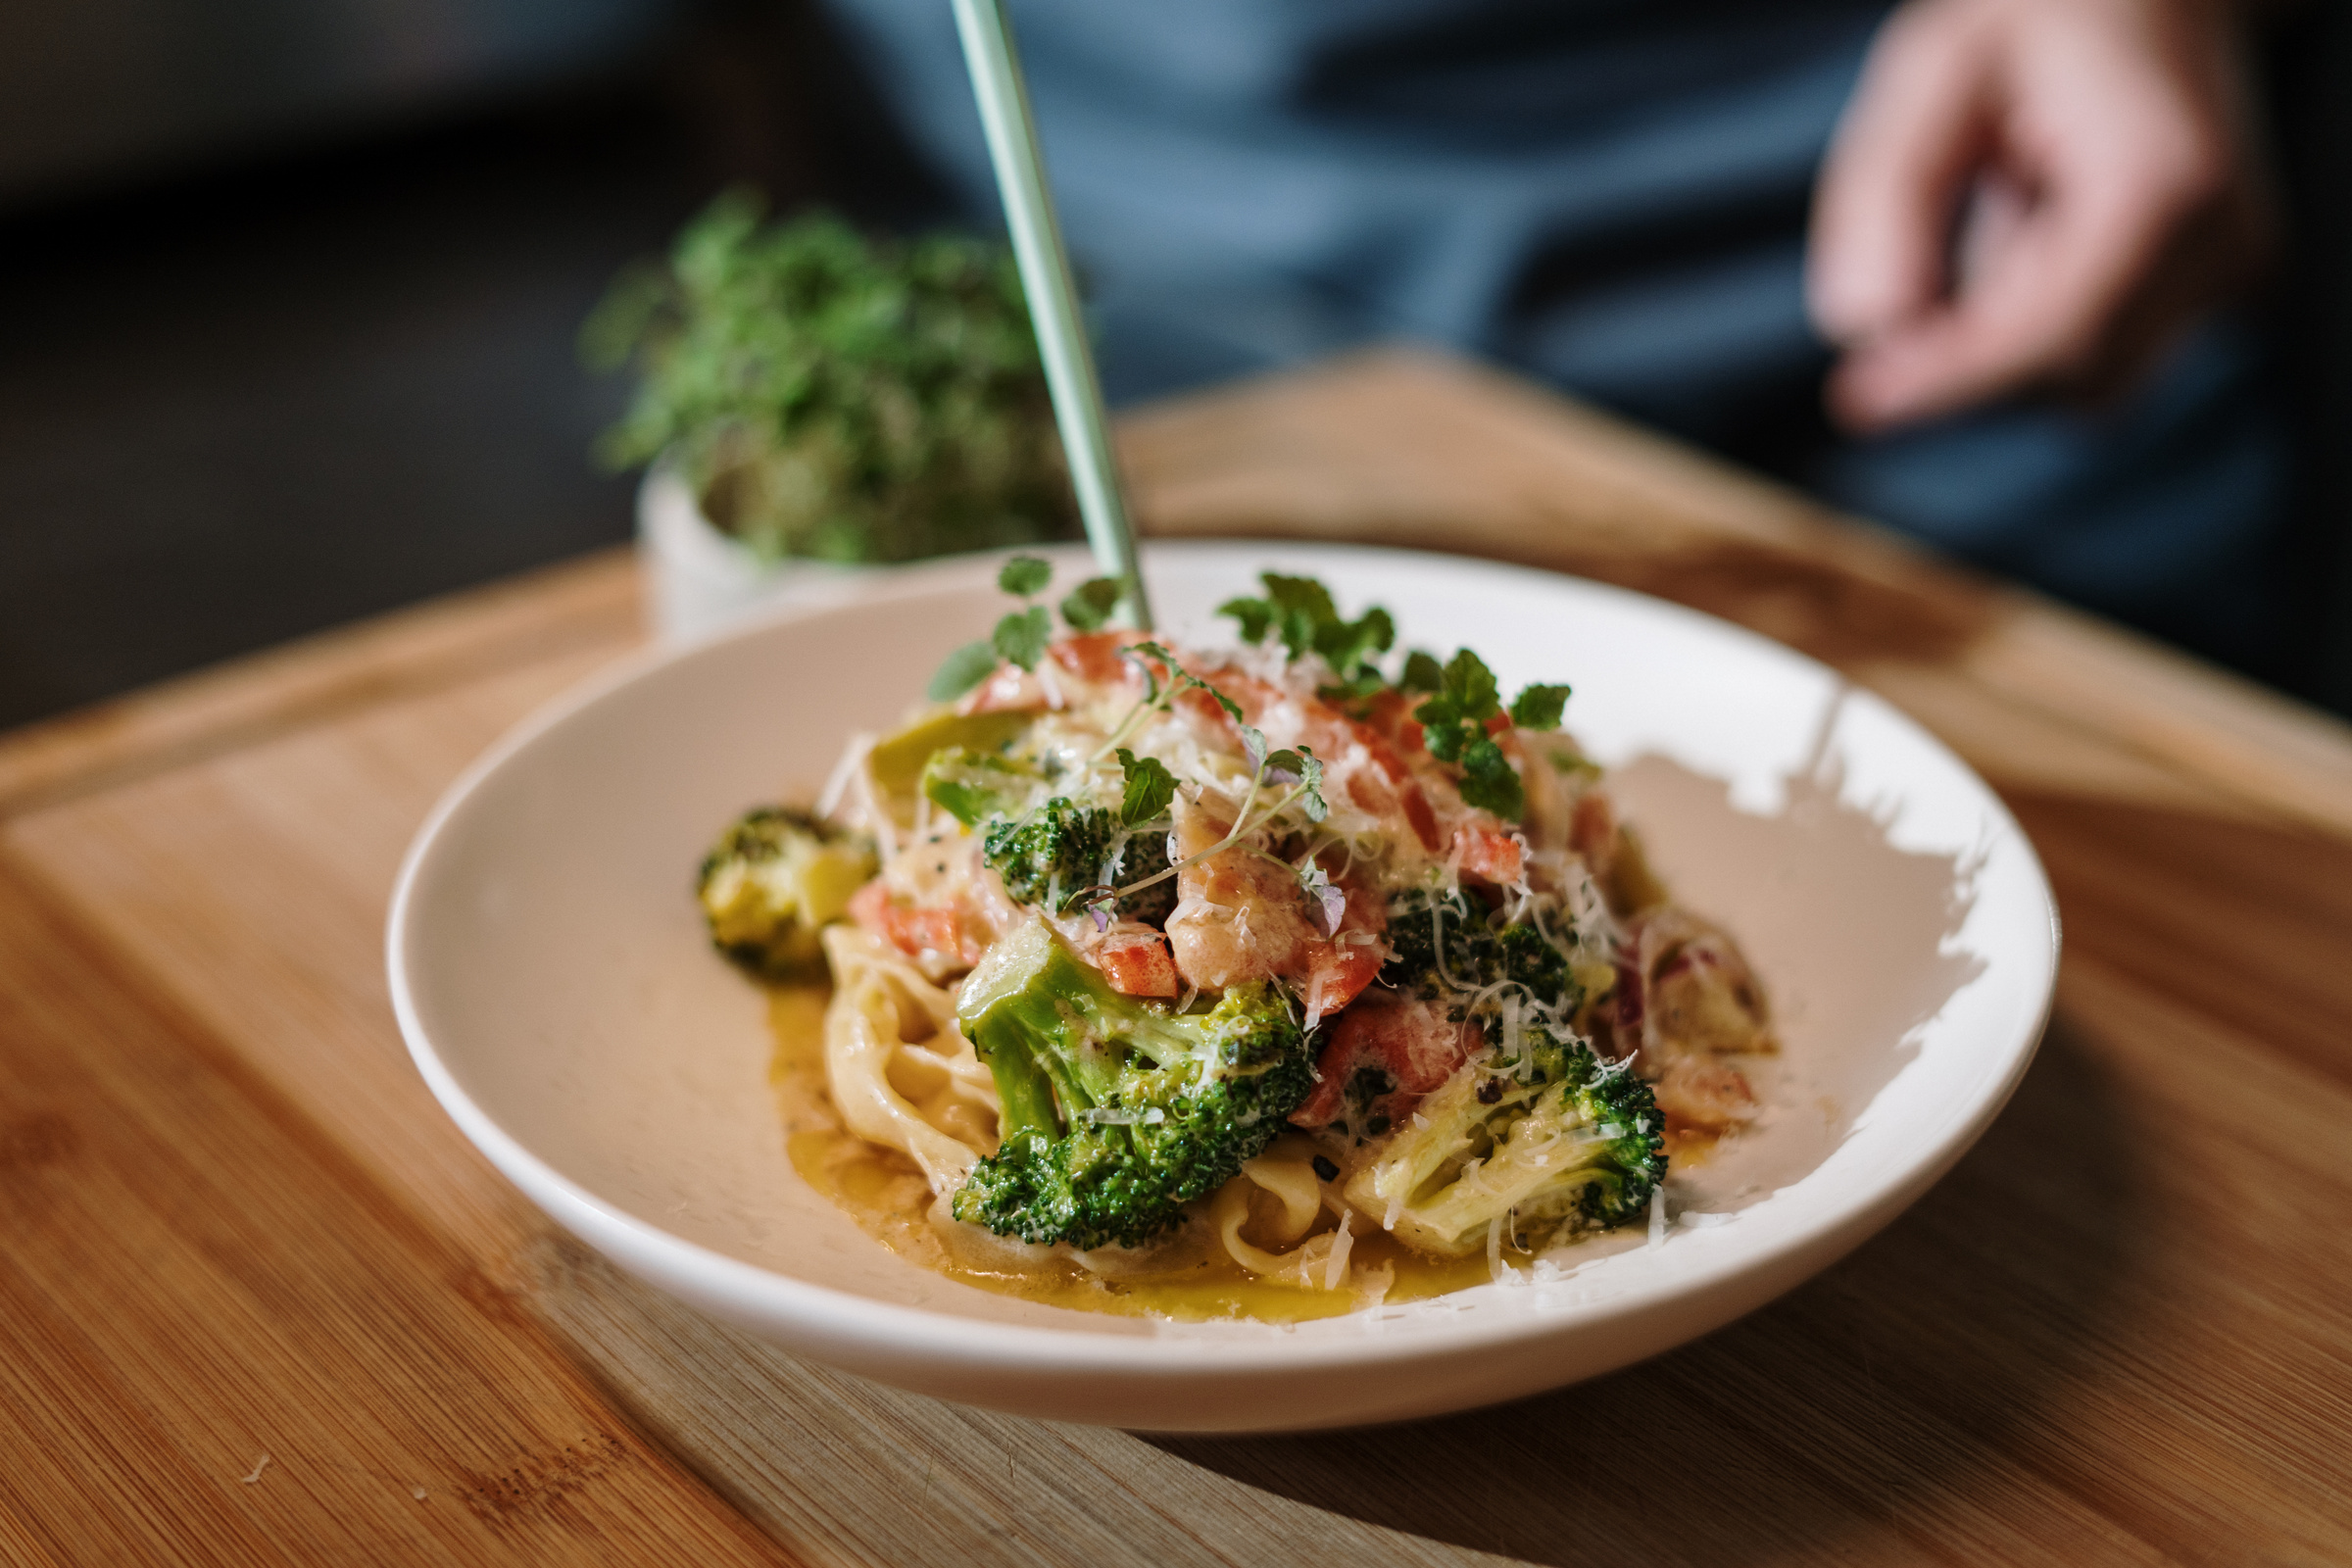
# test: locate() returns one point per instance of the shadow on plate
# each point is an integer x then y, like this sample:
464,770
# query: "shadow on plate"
1814,877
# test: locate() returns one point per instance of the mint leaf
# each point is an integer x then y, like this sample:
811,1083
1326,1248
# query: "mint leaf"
1150,787
1254,616
966,667
1024,576
1347,644
1538,707
1443,736
1302,611
1091,605
1471,686
1487,780
1453,726
1302,597
1021,637
1455,716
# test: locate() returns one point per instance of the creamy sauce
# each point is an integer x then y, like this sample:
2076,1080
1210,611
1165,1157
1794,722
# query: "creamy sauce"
883,1190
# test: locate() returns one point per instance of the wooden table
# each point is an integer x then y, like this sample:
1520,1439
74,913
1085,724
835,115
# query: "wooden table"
236,1225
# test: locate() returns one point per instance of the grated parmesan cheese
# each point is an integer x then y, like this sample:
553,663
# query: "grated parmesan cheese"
837,783
1342,1245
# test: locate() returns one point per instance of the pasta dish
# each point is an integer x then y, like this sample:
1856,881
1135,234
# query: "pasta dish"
1274,980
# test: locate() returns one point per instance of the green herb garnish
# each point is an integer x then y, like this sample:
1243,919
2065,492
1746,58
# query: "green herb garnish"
1090,606
1455,721
1299,612
1147,789
824,394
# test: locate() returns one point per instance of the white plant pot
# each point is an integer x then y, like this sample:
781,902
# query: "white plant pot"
698,579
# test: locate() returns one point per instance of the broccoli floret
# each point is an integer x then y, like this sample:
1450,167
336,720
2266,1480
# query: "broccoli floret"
1143,854
1050,851
1539,1135
1444,945
1116,1111
772,882
1062,847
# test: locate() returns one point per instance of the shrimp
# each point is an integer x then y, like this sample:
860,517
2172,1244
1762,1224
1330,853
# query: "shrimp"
1490,854
1095,656
1410,1043
1239,916
1334,970
1358,758
938,902
1134,959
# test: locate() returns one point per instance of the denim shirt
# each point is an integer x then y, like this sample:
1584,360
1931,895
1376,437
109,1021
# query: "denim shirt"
1610,195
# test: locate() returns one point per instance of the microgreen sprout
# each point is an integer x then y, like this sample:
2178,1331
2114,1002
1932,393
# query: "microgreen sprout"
1306,793
1330,902
1020,637
1148,788
1157,697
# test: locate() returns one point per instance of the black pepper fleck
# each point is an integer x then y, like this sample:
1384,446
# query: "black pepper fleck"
1490,1092
1326,1169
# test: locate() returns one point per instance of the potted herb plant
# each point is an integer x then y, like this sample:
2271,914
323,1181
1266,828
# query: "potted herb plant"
811,400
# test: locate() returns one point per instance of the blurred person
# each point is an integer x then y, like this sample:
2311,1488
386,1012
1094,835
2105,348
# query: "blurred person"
1998,242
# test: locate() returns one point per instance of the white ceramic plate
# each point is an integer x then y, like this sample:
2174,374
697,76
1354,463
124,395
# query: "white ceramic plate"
552,978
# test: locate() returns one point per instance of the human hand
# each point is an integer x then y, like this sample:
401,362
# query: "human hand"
2031,195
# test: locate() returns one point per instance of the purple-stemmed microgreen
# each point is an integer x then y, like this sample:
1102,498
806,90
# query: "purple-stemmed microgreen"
1147,790
1330,900
1157,699
1306,793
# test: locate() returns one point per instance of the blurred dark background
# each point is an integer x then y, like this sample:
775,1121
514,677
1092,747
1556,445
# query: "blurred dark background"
288,290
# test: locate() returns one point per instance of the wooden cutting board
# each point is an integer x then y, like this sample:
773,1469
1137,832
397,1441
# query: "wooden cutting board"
236,1225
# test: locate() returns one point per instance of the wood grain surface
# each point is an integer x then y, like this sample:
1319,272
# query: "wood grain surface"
236,1223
